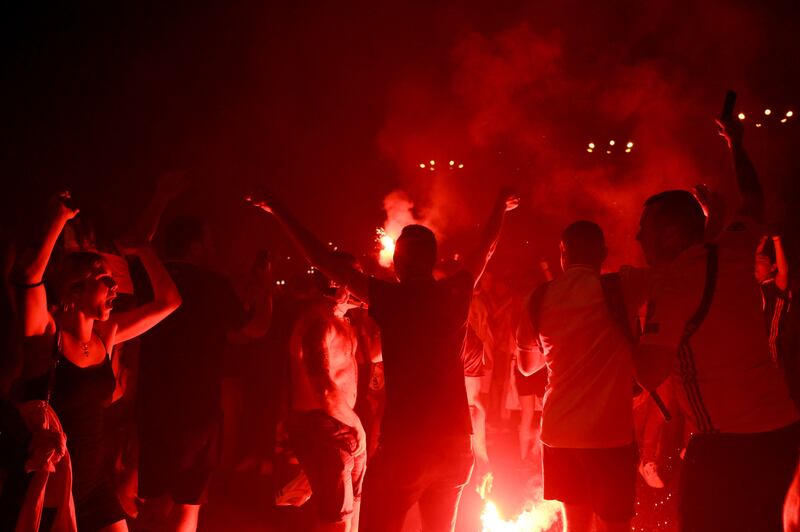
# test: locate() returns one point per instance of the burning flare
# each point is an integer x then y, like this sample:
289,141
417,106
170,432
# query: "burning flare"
386,252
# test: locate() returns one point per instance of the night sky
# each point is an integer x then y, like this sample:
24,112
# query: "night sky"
334,105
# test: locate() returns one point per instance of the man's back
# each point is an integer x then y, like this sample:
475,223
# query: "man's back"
730,383
423,327
588,403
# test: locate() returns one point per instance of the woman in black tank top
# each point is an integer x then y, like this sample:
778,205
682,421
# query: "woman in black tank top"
67,354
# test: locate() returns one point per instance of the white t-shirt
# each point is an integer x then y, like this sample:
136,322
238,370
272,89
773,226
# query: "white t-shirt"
589,397
726,381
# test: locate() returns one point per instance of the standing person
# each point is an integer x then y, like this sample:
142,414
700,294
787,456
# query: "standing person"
706,321
425,453
474,356
179,405
589,457
324,430
68,350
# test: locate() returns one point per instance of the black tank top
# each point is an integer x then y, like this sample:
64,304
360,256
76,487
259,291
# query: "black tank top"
80,397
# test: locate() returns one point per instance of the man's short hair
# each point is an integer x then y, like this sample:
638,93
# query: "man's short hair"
584,242
180,234
418,243
682,210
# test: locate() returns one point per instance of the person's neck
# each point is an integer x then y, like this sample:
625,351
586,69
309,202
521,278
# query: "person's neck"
77,324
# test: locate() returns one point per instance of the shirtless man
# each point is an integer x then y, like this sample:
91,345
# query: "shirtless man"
324,430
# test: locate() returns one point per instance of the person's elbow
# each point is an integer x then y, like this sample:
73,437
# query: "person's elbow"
170,303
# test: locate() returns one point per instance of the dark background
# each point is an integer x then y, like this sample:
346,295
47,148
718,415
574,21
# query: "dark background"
335,104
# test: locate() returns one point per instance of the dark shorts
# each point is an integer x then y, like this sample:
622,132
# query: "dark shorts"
737,482
325,448
603,479
178,463
532,384
98,509
432,474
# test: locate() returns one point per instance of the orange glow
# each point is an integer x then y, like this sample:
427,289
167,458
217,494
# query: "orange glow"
789,114
461,166
386,252
758,125
536,518
591,145
433,162
422,165
767,112
452,163
611,142
630,144
741,116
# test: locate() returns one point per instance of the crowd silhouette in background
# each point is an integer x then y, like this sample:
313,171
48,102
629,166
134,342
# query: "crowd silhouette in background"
130,376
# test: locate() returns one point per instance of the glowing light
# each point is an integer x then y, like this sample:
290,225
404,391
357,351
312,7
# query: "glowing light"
789,114
783,120
767,112
589,150
432,168
386,253
433,162
452,163
591,145
758,125
535,518
629,144
611,142
461,166
627,150
741,116
608,152
422,165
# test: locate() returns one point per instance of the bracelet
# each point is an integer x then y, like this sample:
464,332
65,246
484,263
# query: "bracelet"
26,286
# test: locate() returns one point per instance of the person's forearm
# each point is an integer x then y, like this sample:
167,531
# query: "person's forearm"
32,265
164,289
491,232
310,246
747,182
782,277
150,219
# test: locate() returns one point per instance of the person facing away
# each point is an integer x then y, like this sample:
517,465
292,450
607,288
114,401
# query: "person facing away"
325,433
179,404
589,456
425,454
706,322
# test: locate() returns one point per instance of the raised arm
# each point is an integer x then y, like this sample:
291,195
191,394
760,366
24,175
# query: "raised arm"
30,267
166,299
316,252
168,186
507,200
750,191
782,276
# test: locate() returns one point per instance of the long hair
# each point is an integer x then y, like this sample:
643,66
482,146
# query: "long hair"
73,270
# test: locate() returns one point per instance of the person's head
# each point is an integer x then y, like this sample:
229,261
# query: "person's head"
415,253
766,266
671,222
83,283
582,242
329,288
186,238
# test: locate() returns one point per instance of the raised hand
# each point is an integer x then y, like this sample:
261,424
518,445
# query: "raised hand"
508,198
731,130
261,200
62,206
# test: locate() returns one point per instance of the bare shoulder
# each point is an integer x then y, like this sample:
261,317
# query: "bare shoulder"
107,331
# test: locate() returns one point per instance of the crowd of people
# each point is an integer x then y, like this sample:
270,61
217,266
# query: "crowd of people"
127,382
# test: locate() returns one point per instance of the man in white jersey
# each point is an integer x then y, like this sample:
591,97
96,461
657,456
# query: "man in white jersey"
705,317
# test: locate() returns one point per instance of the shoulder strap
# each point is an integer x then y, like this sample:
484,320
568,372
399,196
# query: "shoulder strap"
712,269
615,300
535,306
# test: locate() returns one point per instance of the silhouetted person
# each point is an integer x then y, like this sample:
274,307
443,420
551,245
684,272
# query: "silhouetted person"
425,454
580,325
